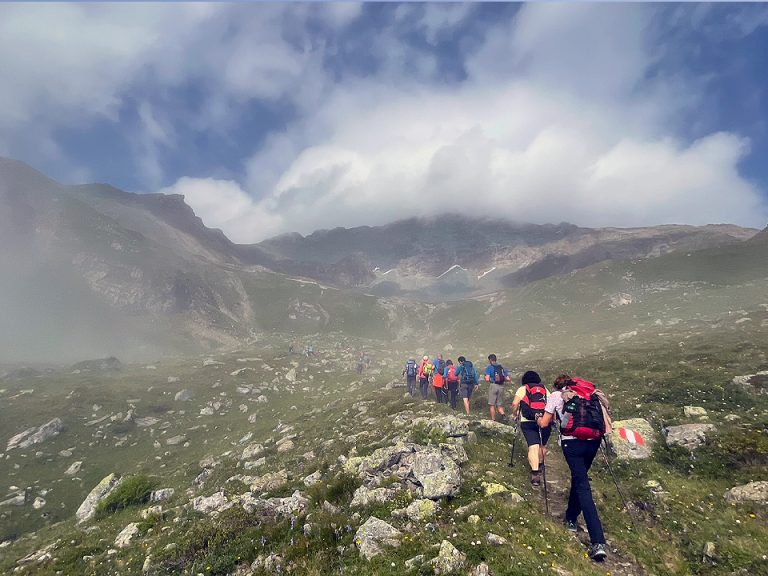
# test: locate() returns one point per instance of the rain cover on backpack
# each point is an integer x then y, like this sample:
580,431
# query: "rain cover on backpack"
582,412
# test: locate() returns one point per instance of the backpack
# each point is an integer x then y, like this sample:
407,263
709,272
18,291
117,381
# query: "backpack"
441,366
452,374
498,374
410,368
534,401
582,412
428,369
468,375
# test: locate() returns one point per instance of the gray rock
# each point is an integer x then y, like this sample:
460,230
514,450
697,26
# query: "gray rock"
252,451
176,440
690,436
38,503
365,497
127,534
481,569
74,468
374,535
752,492
202,478
161,495
421,510
438,475
633,447
285,446
694,411
415,562
183,396
270,482
489,426
313,478
211,505
296,505
87,509
449,560
16,500
33,435
708,553
495,539
207,411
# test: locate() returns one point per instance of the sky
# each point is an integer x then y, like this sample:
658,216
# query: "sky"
275,118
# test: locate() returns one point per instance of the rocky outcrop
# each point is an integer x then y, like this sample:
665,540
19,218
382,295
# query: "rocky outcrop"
33,435
374,535
87,509
633,439
752,492
690,436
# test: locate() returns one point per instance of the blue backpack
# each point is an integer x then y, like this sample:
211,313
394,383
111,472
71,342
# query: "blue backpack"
410,368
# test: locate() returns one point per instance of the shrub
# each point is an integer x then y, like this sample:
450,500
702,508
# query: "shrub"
132,491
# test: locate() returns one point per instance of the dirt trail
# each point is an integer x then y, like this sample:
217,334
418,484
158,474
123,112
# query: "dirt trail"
618,563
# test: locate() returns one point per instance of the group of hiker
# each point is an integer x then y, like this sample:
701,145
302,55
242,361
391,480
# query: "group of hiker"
580,410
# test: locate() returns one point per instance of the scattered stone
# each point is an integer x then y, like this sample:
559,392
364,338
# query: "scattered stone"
690,436
172,379
752,492
211,505
482,569
495,539
87,509
161,495
313,478
253,464
152,512
270,482
146,421
285,446
38,435
39,556
632,447
492,488
708,553
694,411
365,497
241,370
375,534
439,476
176,440
183,396
202,478
252,451
74,468
127,534
449,560
421,510
38,503
209,461
207,411
291,375
211,362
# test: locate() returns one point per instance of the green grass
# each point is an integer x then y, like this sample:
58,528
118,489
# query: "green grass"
131,491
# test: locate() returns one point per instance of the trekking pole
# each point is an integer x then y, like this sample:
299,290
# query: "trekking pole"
544,469
514,442
603,448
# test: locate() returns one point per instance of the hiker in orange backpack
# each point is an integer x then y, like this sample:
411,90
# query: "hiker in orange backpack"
583,415
438,381
528,403
451,382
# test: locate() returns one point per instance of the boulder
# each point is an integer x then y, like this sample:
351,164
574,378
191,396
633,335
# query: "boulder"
694,411
690,436
32,436
365,497
633,439
74,468
87,509
270,482
491,488
374,535
438,475
495,539
127,534
489,426
285,446
421,510
211,505
38,503
752,492
161,495
252,451
481,569
449,560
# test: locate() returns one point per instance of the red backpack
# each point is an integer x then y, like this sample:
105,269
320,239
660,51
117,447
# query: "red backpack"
534,401
452,374
582,413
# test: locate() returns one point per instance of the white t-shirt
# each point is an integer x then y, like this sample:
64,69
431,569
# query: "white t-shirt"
555,405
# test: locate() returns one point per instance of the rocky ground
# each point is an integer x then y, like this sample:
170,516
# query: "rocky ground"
265,462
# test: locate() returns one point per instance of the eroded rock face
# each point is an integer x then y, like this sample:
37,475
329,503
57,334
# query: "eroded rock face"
690,436
32,436
752,492
374,535
87,509
633,439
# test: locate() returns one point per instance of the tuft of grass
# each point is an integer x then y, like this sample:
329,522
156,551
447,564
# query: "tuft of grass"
132,491
338,490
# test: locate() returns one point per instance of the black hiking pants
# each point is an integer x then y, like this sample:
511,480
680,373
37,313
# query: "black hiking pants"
453,391
411,382
424,387
579,455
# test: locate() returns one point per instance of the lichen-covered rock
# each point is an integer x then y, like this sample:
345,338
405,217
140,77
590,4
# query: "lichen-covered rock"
449,560
438,475
365,497
32,436
491,488
183,396
126,535
211,505
418,510
374,535
752,492
638,439
690,436
87,509
694,411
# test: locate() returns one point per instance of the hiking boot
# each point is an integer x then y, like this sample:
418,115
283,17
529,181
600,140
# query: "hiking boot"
571,526
597,552
535,478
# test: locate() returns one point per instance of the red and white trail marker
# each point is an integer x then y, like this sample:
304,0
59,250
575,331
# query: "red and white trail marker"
631,436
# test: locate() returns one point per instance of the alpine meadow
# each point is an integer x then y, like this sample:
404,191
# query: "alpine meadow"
354,289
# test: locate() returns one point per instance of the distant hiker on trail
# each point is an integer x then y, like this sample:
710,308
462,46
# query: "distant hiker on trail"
410,372
425,373
497,376
438,381
451,382
467,376
360,364
583,415
528,404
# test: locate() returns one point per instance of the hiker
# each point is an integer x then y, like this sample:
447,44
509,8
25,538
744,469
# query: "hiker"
467,376
438,381
451,382
497,376
529,403
583,415
360,364
410,372
425,373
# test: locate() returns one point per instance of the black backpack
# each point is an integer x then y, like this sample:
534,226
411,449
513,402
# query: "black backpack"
583,412
410,368
534,401
498,374
468,374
